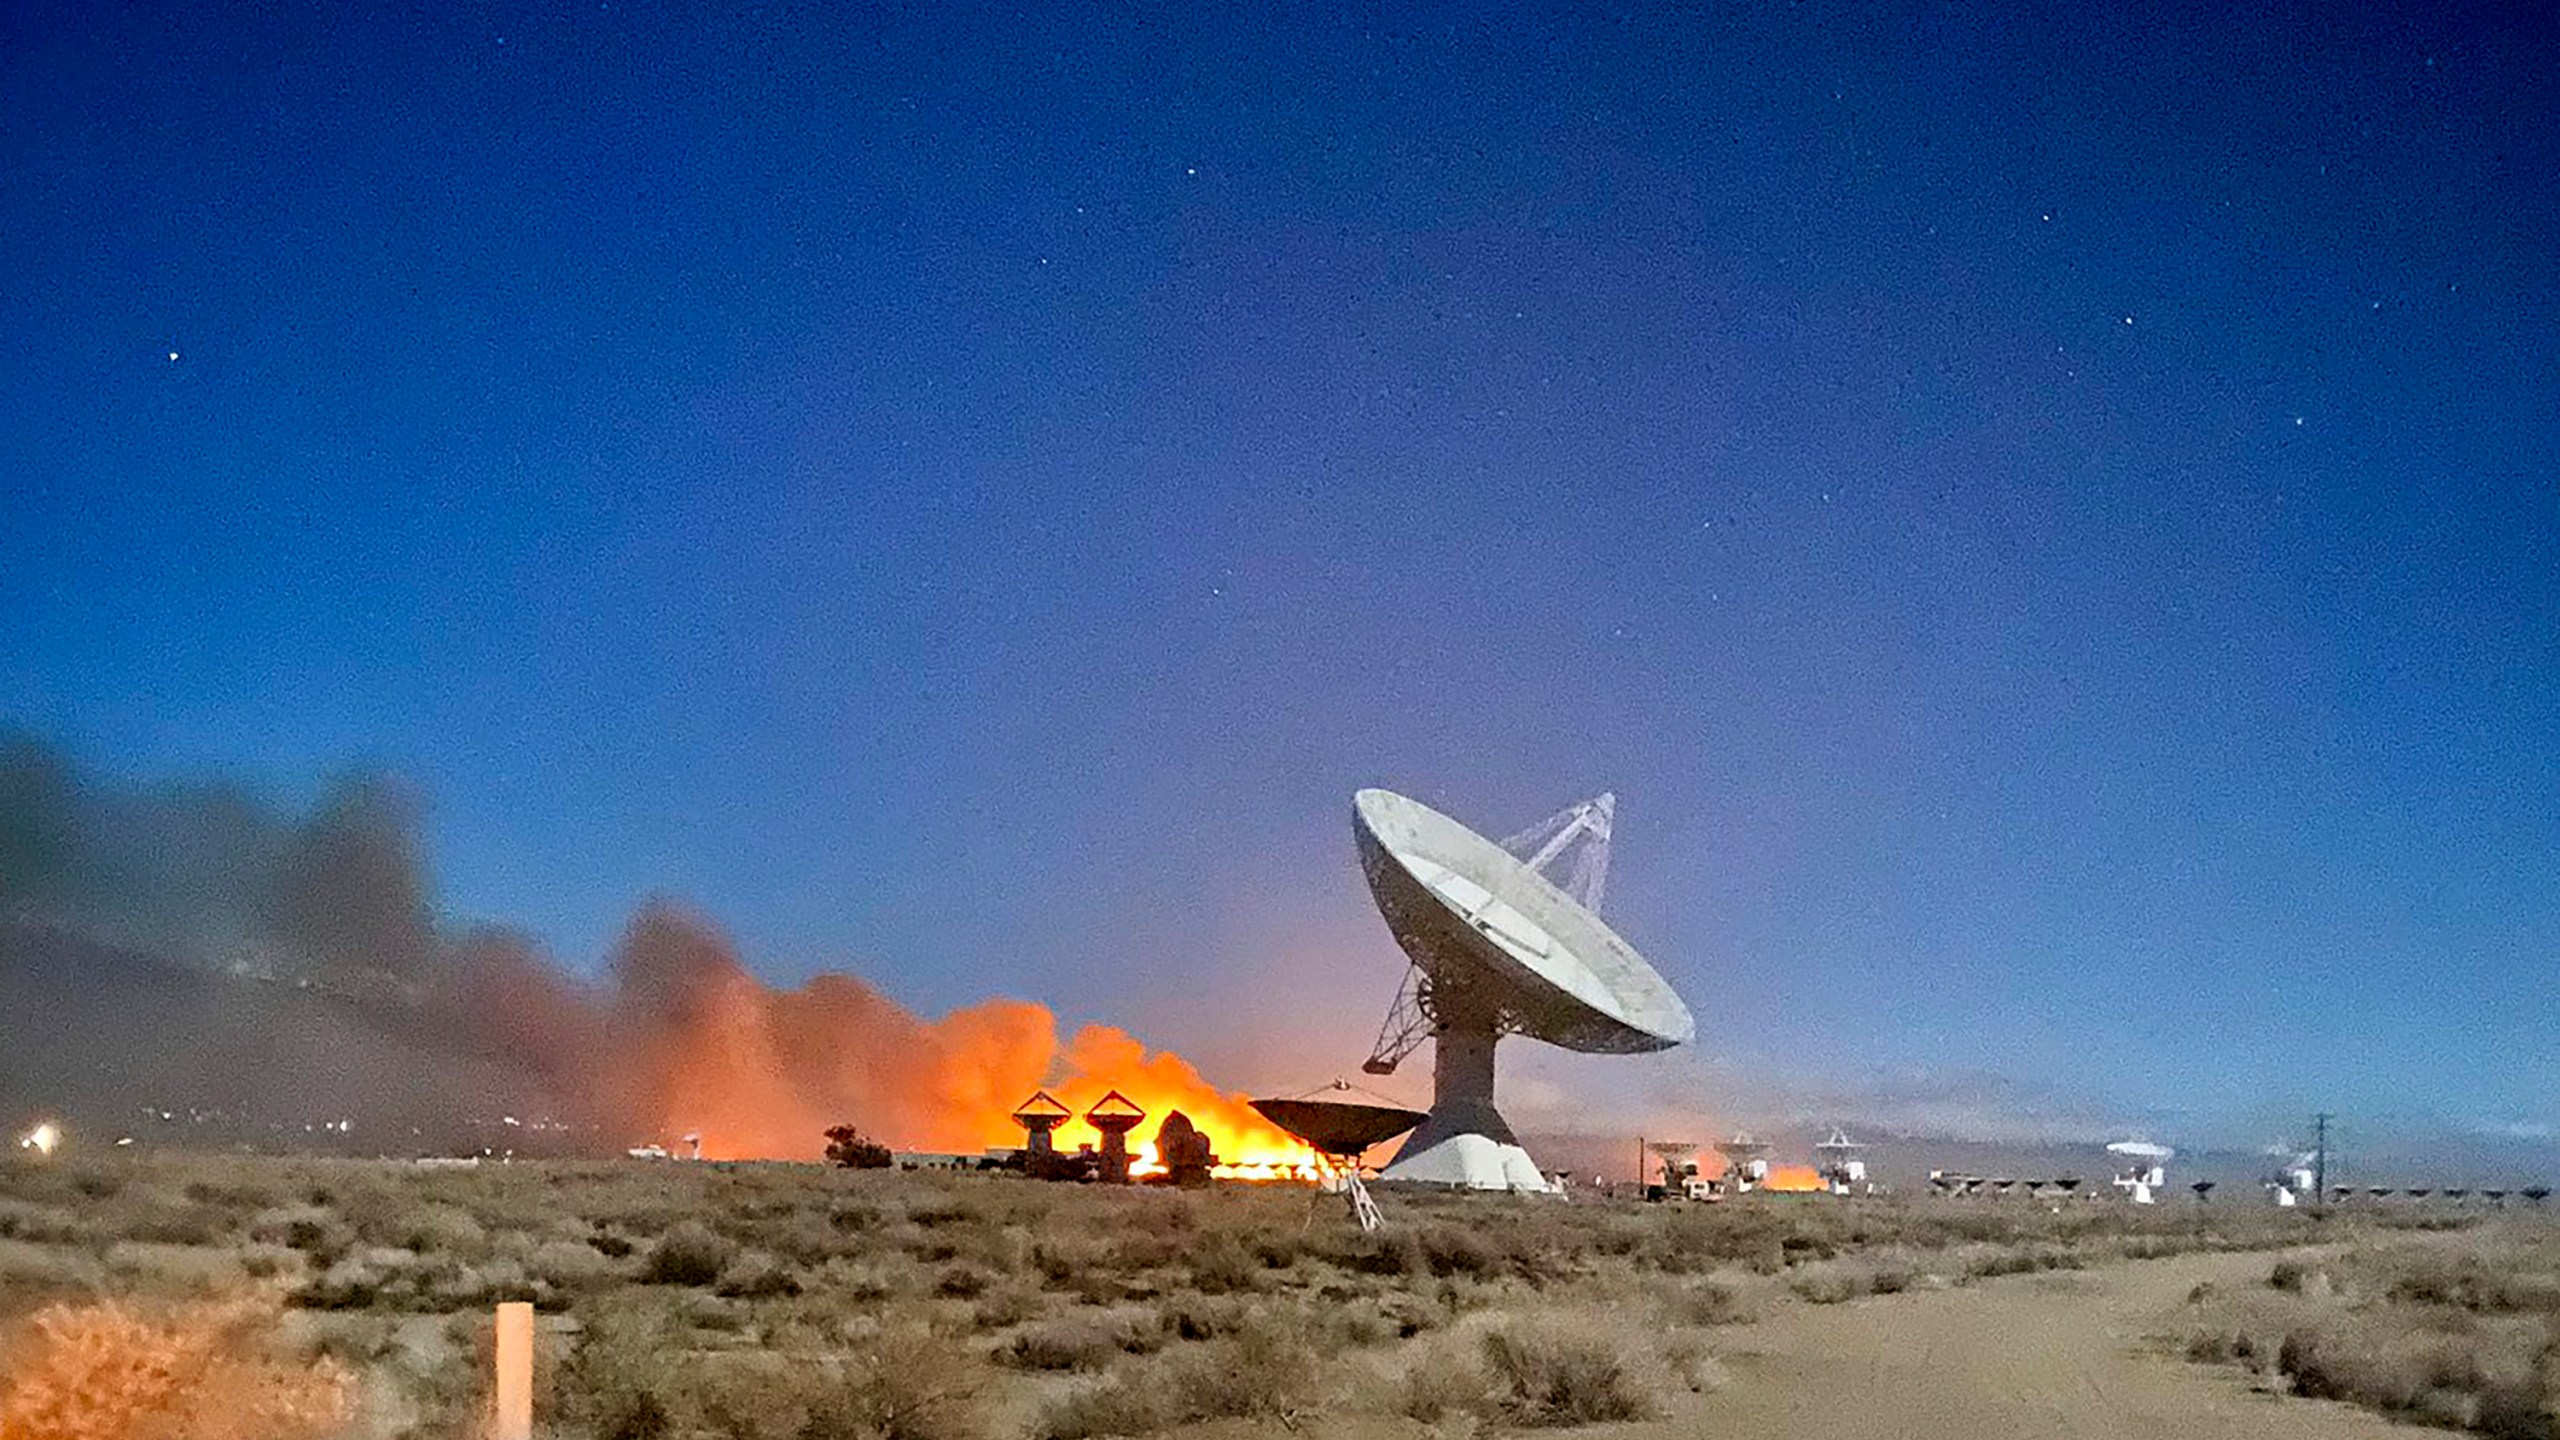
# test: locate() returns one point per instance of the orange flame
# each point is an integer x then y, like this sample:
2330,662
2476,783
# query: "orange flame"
1793,1179
703,1047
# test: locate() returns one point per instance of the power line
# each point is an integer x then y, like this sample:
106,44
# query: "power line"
2320,1162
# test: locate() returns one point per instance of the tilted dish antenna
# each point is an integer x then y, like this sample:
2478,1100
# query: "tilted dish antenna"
1679,1161
1115,1115
1841,1162
1340,1122
1497,948
1746,1160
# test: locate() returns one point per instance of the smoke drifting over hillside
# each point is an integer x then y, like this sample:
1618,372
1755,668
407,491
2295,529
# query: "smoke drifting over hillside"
333,909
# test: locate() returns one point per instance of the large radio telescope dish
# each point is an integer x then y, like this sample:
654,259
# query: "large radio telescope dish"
1497,949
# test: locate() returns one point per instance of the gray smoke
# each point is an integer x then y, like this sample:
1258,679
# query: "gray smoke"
191,949
208,875
194,949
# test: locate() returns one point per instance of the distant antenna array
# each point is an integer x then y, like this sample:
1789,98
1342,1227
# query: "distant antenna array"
1571,848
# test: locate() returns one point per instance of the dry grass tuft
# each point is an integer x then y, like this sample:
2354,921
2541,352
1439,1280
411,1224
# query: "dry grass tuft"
1085,1341
1721,1299
1265,1371
1544,1375
111,1371
2462,1337
689,1254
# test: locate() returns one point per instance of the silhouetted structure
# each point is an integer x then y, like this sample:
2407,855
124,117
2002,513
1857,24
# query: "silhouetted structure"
1115,1115
1038,1116
849,1148
1184,1151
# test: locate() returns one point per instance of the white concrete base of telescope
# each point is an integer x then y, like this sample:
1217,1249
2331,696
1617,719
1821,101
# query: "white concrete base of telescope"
1464,1141
1471,1162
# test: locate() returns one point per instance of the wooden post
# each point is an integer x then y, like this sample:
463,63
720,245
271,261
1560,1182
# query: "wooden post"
514,1418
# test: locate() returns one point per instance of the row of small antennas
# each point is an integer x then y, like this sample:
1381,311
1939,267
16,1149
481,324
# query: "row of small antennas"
2493,1194
1745,1150
1947,1184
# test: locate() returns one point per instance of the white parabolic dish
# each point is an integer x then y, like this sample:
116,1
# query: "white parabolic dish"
1503,951
1478,920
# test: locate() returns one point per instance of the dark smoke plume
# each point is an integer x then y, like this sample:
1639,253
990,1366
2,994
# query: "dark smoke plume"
207,875
189,948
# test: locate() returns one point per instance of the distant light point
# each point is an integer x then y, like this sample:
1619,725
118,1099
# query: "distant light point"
1190,169
173,357
2128,319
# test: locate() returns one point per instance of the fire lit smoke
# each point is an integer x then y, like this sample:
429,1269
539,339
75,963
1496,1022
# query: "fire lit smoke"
688,1042
1793,1179
677,1038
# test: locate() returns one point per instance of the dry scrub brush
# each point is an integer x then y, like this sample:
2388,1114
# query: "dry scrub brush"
113,1371
633,1378
1539,1373
1119,1304
2462,1332
1264,1370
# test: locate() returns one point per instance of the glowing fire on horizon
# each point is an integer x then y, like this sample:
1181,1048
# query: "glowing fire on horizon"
1793,1180
704,1047
44,1139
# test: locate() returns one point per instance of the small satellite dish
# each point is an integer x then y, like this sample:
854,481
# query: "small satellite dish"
1039,1117
1498,949
1841,1163
1339,1128
1678,1160
1115,1115
1746,1161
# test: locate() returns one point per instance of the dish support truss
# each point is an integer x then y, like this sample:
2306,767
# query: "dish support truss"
1363,1208
1580,870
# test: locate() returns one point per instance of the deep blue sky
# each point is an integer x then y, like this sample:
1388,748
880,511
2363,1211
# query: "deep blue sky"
2049,527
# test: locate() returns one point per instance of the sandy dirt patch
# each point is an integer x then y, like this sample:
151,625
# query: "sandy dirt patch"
2062,1353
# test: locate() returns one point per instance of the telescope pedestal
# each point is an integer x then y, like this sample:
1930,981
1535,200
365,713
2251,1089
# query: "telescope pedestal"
1464,1141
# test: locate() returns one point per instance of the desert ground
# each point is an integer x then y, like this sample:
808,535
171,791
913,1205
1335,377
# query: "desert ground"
173,1295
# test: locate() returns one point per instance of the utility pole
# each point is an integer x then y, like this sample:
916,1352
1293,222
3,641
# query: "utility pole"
2320,1162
